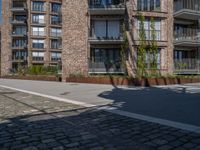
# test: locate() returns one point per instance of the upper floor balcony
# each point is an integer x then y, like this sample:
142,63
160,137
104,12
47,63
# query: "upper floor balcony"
18,6
106,32
187,37
107,7
18,20
187,9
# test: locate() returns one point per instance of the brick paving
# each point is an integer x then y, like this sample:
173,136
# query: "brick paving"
29,122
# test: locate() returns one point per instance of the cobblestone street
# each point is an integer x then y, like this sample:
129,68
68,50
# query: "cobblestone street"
29,122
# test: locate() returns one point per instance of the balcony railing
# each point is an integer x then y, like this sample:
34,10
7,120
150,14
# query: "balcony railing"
101,67
18,6
38,58
14,33
106,4
187,34
187,66
186,4
17,20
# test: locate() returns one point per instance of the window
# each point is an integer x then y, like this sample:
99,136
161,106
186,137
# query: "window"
37,18
147,27
56,32
19,42
149,59
56,43
37,6
105,55
108,29
19,30
55,56
38,31
19,55
148,5
55,7
19,17
38,56
104,3
55,20
39,44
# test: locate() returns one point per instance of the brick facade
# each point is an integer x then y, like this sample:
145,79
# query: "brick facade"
76,30
75,37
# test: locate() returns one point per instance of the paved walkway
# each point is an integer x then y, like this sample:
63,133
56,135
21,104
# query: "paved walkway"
29,122
178,103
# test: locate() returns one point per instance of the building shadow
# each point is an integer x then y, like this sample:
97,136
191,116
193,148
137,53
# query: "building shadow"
89,128
175,103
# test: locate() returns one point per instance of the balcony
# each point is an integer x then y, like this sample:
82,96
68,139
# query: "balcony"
187,66
18,47
106,40
18,34
18,7
18,21
115,7
102,67
187,37
187,9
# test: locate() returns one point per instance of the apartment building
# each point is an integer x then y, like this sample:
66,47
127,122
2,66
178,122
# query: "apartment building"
88,34
187,36
31,33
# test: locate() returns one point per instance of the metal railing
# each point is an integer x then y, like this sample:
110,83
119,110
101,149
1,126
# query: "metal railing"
187,65
102,67
107,4
187,34
186,4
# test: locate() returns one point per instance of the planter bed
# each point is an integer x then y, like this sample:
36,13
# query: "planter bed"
132,82
34,77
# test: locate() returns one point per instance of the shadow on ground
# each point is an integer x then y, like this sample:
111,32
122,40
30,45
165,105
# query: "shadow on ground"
96,129
175,103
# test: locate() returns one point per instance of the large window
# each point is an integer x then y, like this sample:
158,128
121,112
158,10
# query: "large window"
104,3
38,56
55,7
149,59
19,30
55,20
19,55
148,5
18,42
56,43
56,32
37,18
39,44
55,56
105,55
38,31
106,29
148,31
38,6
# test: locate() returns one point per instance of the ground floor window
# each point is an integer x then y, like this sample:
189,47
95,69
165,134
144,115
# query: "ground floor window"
185,54
105,60
149,59
105,55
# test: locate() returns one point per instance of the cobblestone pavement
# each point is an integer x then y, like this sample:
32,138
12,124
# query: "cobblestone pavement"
29,122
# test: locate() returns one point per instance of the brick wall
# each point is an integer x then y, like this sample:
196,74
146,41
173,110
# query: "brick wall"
6,39
75,37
